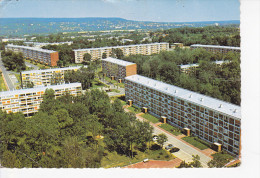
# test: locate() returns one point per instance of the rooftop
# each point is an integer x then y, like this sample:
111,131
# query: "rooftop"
51,70
190,96
109,47
33,90
32,48
216,46
118,61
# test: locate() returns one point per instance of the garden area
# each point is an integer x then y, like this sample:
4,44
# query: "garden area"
114,159
174,130
97,84
150,118
202,145
134,109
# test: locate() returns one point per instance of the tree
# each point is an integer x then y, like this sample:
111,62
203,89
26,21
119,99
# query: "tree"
10,160
219,160
162,138
87,58
196,161
104,55
117,53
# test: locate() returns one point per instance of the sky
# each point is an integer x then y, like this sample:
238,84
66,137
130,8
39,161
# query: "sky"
141,10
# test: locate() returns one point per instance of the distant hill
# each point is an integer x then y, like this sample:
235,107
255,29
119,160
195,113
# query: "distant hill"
29,26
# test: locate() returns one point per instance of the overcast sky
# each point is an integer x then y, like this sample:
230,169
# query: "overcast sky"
141,10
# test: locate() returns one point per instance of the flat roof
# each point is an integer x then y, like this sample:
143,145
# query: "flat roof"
190,96
189,65
51,70
32,48
216,46
118,61
33,90
109,47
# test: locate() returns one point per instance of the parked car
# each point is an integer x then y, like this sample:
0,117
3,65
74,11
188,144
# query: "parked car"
155,138
169,146
175,149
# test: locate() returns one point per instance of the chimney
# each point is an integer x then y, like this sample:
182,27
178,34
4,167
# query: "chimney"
201,99
220,106
190,95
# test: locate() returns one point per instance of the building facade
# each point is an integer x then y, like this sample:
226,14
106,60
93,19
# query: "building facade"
117,68
28,101
44,56
216,48
144,49
39,45
46,77
212,120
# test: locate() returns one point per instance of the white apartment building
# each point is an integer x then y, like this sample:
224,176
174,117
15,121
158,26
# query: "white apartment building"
144,49
46,77
28,101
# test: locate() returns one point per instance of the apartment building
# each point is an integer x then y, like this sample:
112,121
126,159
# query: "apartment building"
48,57
144,49
28,101
118,69
46,77
212,120
188,67
39,45
216,48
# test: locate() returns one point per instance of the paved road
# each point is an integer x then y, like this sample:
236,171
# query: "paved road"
186,151
6,73
31,65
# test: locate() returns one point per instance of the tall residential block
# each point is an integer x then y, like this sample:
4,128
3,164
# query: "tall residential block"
48,57
210,119
28,101
45,77
117,68
144,49
216,48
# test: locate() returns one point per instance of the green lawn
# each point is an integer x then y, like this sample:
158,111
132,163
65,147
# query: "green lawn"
174,130
41,66
134,109
196,142
150,118
121,98
115,90
97,84
2,84
112,159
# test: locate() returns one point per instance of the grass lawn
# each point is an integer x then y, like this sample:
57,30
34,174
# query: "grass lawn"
2,84
121,85
121,98
134,109
196,142
150,118
97,84
41,66
113,159
115,90
175,131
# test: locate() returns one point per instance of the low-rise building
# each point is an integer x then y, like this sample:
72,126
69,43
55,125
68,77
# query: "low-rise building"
28,101
144,49
39,78
48,57
212,120
118,69
39,45
188,67
216,48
